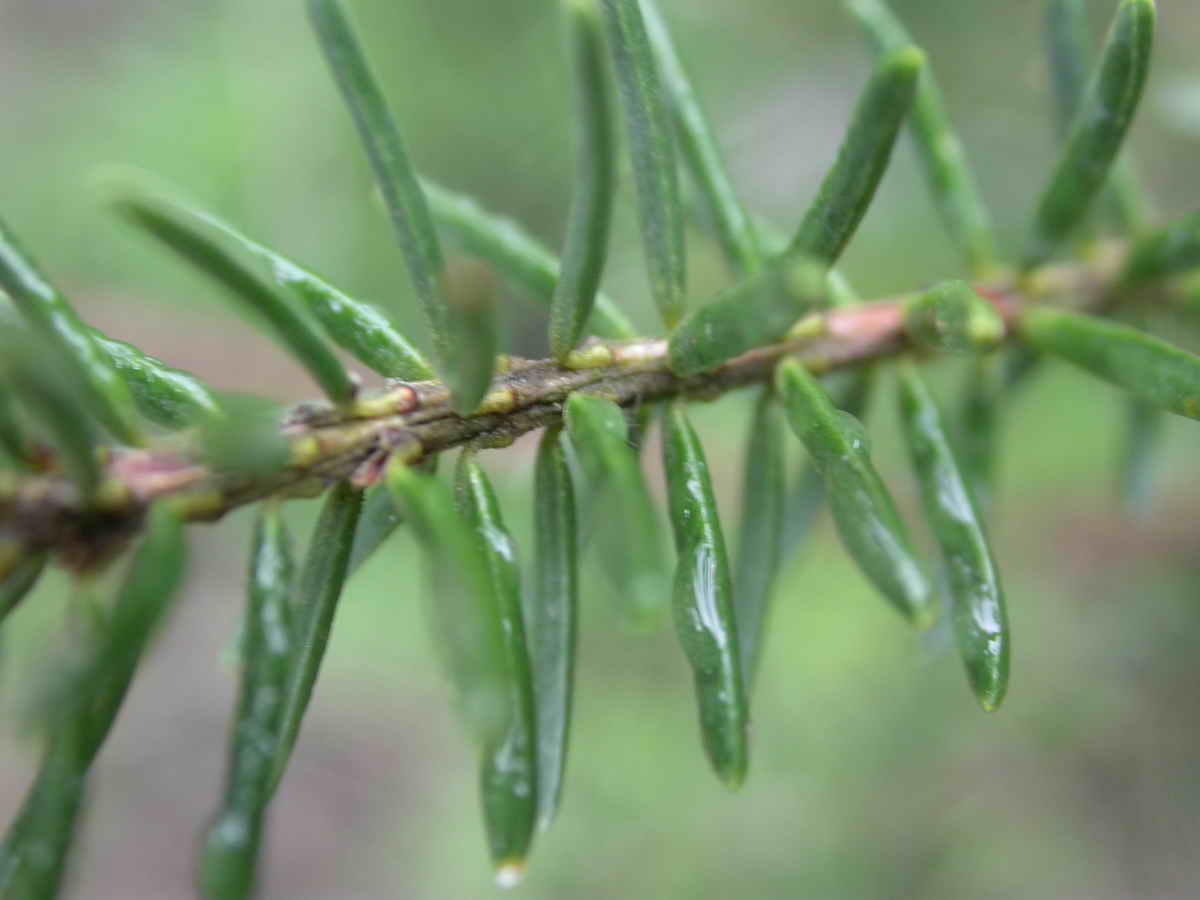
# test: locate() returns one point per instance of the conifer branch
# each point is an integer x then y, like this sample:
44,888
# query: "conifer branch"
415,420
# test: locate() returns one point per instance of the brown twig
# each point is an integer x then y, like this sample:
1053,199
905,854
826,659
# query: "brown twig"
44,513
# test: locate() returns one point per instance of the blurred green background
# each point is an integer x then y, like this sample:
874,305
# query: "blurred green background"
875,776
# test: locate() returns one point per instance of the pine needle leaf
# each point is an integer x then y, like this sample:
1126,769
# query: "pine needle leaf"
758,310
978,425
553,616
1168,251
34,851
462,607
947,170
394,174
1144,429
1125,200
50,315
700,152
141,606
626,521
1101,122
357,327
14,448
20,581
202,241
470,359
32,371
145,597
760,539
590,219
977,597
515,254
863,510
705,616
1068,53
652,152
851,393
229,854
850,185
326,565
246,439
1154,371
33,858
380,518
508,777
166,396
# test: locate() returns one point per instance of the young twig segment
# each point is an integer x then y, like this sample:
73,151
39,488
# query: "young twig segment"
319,444
951,316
